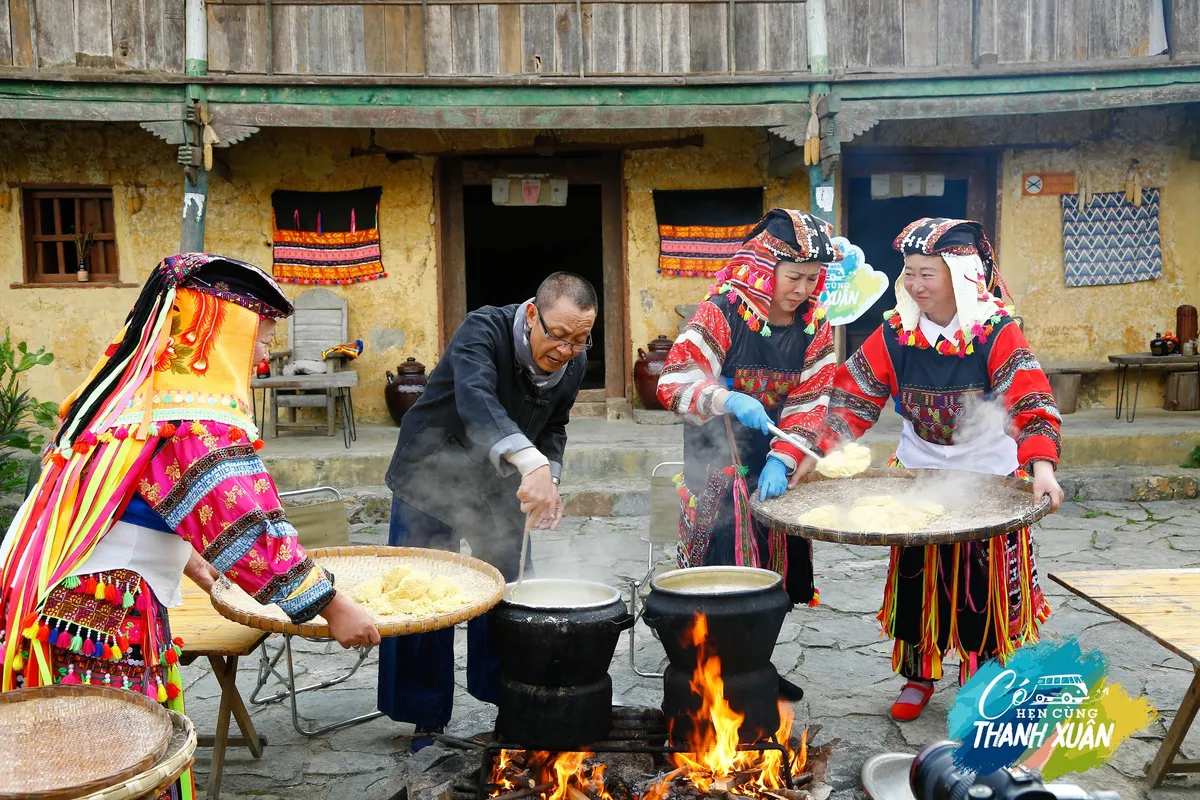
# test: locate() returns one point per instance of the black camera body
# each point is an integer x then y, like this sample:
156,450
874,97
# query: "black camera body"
934,777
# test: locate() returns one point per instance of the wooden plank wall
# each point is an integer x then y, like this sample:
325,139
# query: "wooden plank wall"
101,34
879,34
634,37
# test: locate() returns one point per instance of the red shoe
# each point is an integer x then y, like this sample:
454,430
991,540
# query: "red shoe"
907,712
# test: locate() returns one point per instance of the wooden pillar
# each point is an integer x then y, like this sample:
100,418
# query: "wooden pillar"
195,180
195,207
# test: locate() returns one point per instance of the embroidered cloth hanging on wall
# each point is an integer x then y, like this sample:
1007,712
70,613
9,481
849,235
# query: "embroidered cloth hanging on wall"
700,230
327,238
1111,240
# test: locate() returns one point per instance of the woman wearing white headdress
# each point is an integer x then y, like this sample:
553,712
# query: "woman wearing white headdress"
949,345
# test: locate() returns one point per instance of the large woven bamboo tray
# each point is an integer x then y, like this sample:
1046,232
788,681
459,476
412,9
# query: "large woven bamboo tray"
60,742
480,585
977,506
151,783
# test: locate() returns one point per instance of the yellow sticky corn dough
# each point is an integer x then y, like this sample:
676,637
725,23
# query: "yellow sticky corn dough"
412,586
442,587
822,517
403,590
878,513
367,590
392,578
845,463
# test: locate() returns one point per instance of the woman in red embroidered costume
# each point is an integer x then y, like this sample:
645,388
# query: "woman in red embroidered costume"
757,351
154,473
949,346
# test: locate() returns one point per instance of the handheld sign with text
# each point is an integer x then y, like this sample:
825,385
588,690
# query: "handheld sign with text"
851,285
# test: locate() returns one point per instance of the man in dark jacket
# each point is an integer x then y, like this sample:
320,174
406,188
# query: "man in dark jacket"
479,458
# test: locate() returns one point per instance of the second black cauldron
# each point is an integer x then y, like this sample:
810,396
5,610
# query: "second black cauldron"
743,609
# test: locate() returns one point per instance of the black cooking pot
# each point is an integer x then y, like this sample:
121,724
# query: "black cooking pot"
555,640
745,608
558,718
558,632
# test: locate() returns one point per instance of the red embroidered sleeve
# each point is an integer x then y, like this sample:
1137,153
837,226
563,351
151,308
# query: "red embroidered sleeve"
691,378
804,411
1033,417
861,388
209,485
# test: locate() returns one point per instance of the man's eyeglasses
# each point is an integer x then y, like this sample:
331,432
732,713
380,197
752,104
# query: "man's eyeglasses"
558,341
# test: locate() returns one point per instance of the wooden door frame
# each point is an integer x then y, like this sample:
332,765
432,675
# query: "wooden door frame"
452,173
978,166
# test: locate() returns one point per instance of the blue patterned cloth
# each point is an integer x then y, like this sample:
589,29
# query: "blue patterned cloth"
1111,240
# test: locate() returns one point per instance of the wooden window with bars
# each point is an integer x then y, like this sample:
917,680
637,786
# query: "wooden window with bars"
60,221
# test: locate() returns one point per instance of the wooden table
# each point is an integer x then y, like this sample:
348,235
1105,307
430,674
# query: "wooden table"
340,383
1164,604
1145,361
207,633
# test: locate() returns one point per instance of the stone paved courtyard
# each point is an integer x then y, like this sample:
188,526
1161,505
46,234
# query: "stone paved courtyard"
833,651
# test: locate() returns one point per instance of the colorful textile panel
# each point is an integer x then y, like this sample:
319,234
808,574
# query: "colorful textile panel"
699,231
1111,240
327,238
769,387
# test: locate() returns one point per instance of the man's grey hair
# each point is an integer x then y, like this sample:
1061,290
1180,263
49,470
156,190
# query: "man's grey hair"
569,285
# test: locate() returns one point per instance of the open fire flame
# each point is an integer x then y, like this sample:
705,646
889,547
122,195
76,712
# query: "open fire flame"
713,763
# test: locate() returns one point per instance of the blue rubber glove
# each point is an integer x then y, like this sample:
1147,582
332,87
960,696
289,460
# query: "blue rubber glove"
748,411
774,479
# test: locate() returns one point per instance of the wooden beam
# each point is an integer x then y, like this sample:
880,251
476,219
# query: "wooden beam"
77,111
784,158
523,118
1030,103
1118,66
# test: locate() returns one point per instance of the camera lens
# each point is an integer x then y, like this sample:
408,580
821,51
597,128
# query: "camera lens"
934,777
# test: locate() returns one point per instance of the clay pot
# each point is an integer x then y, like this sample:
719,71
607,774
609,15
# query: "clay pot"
1158,345
647,369
402,393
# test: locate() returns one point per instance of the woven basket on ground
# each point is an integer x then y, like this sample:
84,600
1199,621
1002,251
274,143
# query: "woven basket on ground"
154,781
66,741
480,586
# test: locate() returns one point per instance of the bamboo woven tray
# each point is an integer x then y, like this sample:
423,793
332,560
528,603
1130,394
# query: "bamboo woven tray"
480,584
978,506
150,784
67,741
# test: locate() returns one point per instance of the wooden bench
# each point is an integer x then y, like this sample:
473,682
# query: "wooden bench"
207,633
1164,604
1066,378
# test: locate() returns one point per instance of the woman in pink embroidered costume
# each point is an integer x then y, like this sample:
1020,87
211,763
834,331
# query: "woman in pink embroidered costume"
756,352
948,347
155,472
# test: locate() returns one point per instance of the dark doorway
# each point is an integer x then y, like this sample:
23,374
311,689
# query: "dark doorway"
509,250
873,225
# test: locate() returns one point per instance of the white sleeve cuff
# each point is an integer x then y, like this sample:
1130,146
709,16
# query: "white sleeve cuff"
718,400
527,460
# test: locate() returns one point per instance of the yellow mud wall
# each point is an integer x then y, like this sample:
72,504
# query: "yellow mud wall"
1090,323
730,158
76,322
1082,323
395,317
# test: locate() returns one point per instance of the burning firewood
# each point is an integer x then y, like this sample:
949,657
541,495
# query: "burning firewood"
522,793
790,794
